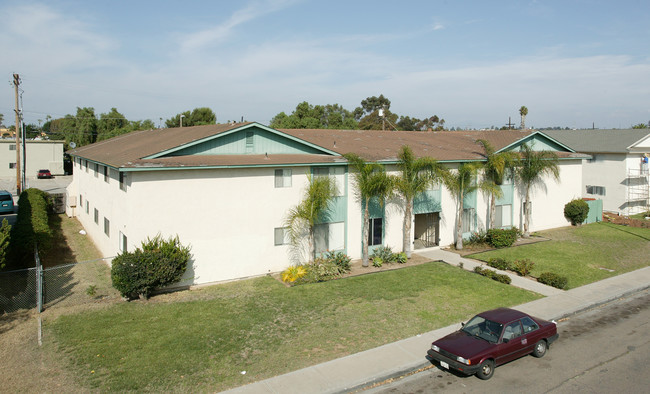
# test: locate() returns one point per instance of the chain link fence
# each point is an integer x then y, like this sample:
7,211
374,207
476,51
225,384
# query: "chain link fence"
57,286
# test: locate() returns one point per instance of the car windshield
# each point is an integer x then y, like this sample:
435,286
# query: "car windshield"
484,329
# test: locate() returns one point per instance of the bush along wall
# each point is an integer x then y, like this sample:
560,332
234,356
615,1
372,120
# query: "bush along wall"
501,238
156,264
32,227
576,211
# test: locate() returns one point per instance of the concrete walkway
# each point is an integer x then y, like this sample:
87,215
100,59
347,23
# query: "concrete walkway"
395,359
436,254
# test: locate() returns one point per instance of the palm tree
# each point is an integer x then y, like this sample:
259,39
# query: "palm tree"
416,176
371,182
494,170
461,183
523,111
303,217
531,169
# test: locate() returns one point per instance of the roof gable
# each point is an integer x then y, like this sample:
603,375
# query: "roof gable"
538,141
252,138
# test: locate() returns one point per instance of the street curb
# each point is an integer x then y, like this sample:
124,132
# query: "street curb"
409,370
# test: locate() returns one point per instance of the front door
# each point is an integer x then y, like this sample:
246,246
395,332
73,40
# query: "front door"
427,228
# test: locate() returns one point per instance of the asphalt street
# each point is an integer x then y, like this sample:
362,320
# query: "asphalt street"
603,350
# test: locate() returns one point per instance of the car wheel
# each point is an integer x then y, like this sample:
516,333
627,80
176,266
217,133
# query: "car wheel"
486,371
540,349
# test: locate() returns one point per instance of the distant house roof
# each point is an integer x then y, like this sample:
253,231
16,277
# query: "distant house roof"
169,148
593,141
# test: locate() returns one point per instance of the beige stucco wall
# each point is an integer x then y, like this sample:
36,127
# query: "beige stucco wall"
228,216
40,155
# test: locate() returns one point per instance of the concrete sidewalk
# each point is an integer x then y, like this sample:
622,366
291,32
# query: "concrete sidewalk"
395,359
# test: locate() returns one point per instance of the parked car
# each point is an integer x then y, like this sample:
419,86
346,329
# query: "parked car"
44,174
6,202
493,338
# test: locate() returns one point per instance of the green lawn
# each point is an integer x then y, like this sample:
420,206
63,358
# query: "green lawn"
584,254
202,340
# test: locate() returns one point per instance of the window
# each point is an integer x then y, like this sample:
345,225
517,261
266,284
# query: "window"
12,146
281,236
107,227
86,164
468,220
123,181
12,165
122,242
96,216
250,141
87,207
282,178
337,172
81,201
512,330
597,190
375,231
329,236
529,324
96,169
106,174
503,216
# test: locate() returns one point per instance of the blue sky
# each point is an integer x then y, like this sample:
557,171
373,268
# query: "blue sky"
474,63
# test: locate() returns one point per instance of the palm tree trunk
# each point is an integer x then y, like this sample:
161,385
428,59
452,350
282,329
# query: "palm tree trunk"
459,226
406,245
527,214
364,235
493,209
312,243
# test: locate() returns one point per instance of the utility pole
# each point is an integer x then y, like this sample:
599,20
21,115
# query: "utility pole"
509,124
17,130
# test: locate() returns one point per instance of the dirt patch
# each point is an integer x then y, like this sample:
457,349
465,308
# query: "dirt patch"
609,217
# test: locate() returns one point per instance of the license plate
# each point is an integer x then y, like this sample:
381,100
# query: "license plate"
444,364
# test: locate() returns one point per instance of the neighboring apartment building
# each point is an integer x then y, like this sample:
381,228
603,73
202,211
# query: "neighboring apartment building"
225,190
39,154
617,172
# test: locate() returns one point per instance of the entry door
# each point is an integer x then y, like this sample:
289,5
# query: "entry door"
430,237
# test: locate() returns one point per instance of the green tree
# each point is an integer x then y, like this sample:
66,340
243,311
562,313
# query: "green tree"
531,170
198,116
307,116
2,118
460,183
374,121
497,166
407,123
416,175
372,104
110,121
636,126
523,111
371,182
85,127
302,218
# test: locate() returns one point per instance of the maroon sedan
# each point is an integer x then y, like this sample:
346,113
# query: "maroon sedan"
493,338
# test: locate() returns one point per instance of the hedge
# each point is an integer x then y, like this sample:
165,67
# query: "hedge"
32,227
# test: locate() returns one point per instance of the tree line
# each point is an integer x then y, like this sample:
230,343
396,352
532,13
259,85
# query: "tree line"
86,127
373,114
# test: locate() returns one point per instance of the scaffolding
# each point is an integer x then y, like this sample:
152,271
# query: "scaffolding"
638,190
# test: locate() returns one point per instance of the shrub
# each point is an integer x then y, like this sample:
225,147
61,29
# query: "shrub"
553,279
293,273
523,267
492,275
400,258
377,261
383,252
499,263
576,211
501,238
477,237
341,259
159,263
31,228
320,270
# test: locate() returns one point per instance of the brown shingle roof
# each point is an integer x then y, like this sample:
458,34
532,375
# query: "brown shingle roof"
130,150
385,145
